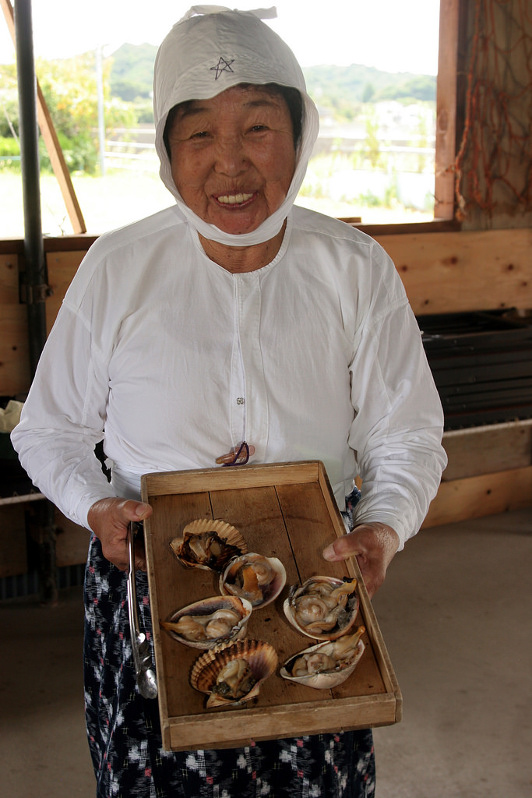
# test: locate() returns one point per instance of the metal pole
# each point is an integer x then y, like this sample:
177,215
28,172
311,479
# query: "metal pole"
34,286
35,266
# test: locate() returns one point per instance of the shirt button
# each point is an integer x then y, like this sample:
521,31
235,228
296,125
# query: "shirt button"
240,400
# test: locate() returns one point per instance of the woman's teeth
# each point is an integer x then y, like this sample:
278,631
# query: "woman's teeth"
234,199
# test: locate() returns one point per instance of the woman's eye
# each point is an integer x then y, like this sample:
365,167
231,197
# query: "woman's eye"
201,134
258,128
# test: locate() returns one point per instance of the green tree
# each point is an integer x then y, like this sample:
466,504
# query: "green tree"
368,93
419,87
8,101
70,90
131,75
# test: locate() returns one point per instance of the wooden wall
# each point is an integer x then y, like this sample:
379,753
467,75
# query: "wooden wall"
14,355
460,271
490,468
442,272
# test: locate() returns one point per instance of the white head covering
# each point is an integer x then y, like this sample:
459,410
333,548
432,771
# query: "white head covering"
211,49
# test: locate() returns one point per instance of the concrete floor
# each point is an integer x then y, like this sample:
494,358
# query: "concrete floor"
455,613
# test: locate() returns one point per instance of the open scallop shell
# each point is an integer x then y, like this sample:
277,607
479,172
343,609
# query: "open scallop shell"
213,672
253,576
209,544
326,664
210,621
323,607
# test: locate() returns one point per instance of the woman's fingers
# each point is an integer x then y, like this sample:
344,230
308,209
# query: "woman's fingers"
109,519
374,545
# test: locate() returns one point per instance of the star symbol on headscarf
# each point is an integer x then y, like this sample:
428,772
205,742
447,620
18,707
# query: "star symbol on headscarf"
222,66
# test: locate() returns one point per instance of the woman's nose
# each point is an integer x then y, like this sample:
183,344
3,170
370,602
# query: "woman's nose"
230,155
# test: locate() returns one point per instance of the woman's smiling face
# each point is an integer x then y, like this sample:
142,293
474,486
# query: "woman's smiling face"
233,156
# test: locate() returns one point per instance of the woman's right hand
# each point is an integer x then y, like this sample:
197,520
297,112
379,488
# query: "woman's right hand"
109,520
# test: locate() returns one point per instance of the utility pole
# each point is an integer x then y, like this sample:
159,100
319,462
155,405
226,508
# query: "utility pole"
101,116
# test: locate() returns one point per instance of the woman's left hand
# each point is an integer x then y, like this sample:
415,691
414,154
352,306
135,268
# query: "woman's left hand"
374,545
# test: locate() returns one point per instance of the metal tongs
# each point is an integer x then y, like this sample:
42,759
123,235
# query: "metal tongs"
146,680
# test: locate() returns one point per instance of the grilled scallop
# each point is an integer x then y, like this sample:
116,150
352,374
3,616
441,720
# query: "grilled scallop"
322,607
326,664
210,621
208,544
254,577
233,674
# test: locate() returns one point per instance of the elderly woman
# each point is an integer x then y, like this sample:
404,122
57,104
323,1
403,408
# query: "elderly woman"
230,317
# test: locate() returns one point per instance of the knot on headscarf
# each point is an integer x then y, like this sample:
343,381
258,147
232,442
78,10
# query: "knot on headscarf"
259,13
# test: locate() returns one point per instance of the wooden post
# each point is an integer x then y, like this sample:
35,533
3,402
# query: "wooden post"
446,109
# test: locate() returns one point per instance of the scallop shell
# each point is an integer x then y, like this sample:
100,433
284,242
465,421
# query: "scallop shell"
323,607
228,543
338,660
260,657
214,620
255,577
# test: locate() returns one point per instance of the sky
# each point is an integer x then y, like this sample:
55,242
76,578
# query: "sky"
391,35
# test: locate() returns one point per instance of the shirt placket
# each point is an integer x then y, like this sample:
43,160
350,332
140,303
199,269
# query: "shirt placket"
248,395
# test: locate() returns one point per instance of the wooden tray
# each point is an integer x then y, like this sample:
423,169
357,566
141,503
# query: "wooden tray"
283,510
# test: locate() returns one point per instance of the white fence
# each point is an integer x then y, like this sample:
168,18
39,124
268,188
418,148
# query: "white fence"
131,155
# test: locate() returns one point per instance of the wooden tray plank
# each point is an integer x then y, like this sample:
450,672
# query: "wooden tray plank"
243,477
168,585
179,586
309,514
300,510
242,508
214,732
267,537
308,524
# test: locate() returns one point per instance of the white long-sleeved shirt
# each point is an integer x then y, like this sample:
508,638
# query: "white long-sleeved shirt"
172,360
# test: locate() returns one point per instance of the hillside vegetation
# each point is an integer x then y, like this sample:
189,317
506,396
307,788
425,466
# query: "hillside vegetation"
336,90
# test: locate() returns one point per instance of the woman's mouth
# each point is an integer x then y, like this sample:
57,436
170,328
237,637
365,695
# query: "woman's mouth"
231,200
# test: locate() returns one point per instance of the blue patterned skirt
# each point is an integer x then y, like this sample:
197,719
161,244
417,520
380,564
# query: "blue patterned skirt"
125,737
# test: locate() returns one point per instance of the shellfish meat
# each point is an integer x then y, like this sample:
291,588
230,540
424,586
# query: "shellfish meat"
209,622
322,607
326,664
209,544
233,673
254,577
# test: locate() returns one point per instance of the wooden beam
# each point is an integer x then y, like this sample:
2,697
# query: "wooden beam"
476,497
488,449
443,272
72,541
59,164
15,374
464,271
51,141
62,267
